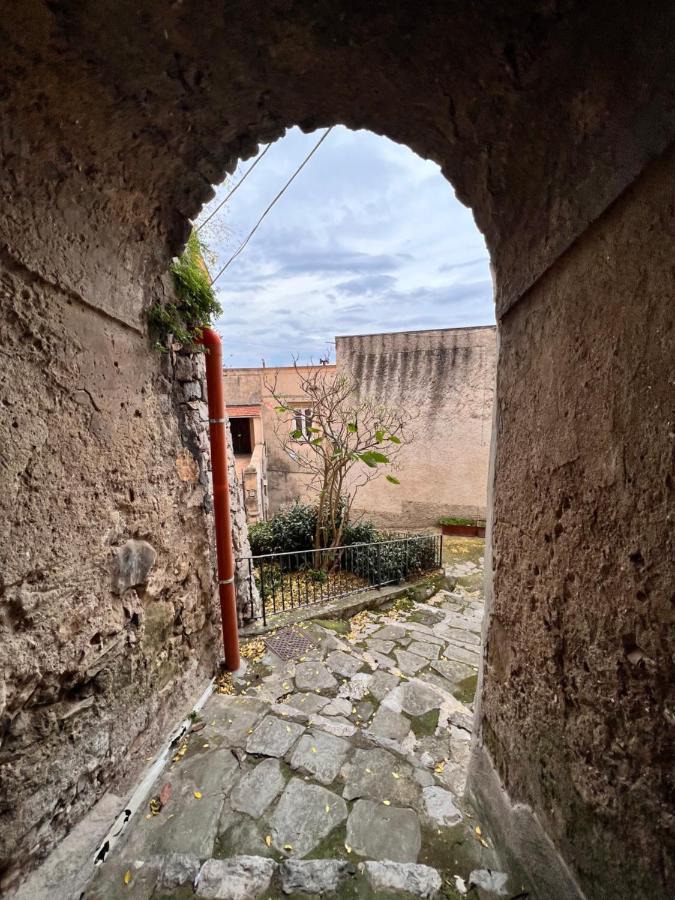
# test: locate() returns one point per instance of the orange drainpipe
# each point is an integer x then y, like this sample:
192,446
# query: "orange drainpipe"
221,497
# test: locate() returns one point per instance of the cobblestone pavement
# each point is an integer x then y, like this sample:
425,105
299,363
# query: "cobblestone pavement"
338,774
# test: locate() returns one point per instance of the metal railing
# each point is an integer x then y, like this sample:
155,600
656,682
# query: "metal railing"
297,578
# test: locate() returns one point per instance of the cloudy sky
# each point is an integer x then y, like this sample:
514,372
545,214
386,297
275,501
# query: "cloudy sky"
368,238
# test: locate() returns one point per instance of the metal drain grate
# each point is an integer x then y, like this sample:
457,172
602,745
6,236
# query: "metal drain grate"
290,643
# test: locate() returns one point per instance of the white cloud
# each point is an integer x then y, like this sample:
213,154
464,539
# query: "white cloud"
368,238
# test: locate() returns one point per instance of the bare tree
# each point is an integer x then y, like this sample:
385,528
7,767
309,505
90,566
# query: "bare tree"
340,439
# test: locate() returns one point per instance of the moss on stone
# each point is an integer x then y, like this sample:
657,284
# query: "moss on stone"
426,724
465,690
336,625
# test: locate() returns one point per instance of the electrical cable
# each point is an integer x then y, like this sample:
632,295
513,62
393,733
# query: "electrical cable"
257,224
237,185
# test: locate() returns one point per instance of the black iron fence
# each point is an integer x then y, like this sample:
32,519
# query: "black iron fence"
298,578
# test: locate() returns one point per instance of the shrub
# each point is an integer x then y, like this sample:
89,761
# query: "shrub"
458,520
291,529
389,562
372,554
196,304
359,533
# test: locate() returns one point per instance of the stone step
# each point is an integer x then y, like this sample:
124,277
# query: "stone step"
253,877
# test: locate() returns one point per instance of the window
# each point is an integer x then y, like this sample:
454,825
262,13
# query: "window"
302,422
242,430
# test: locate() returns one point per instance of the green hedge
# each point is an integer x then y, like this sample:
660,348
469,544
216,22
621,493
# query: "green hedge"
293,529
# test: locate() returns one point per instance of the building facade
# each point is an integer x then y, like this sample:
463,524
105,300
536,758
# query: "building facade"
443,378
269,474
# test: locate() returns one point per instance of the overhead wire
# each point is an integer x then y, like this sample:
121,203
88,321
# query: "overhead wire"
235,188
277,197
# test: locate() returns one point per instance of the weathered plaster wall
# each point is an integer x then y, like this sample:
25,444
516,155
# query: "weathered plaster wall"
445,380
577,700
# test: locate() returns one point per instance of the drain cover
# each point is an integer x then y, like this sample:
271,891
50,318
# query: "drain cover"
289,643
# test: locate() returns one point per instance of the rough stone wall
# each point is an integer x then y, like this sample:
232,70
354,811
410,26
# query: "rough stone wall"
109,623
445,380
579,662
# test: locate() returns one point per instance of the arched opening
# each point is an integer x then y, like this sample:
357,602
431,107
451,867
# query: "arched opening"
367,262
119,120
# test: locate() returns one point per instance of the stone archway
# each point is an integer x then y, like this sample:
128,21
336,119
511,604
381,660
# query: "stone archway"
549,119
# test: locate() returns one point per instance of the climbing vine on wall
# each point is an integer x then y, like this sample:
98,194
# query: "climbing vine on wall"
195,305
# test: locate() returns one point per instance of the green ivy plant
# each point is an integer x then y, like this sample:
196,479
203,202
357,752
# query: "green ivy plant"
195,306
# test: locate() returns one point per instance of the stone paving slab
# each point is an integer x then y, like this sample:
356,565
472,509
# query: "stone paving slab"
234,717
377,831
273,737
333,725
389,724
307,702
304,816
320,755
314,676
410,663
238,834
192,831
461,636
440,806
381,683
425,649
343,663
239,878
383,647
255,791
453,670
425,634
315,877
412,879
379,775
460,654
414,698
389,633
339,706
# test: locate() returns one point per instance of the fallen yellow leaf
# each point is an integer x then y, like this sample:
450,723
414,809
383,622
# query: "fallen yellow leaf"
387,802
395,774
127,876
288,846
327,808
198,795
314,750
348,848
268,840
478,831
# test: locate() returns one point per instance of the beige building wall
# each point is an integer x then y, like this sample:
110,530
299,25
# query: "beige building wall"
446,379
